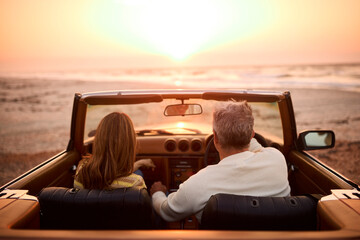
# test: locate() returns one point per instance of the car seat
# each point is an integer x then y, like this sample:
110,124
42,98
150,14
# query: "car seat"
70,208
234,212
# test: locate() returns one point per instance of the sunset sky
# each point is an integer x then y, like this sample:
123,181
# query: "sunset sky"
88,34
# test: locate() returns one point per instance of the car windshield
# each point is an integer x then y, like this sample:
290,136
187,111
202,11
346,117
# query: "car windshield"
149,118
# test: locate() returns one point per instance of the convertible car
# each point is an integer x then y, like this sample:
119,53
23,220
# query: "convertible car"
174,129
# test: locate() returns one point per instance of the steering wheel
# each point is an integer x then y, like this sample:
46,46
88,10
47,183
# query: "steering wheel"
211,153
212,156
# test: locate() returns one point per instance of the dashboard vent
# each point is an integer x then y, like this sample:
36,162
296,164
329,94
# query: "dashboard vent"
196,145
184,145
170,145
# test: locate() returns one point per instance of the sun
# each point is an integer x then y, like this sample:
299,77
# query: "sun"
176,28
178,83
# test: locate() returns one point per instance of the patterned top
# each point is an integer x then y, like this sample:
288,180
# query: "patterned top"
133,180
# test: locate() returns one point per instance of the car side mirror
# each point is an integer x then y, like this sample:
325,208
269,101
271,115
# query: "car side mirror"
183,109
316,139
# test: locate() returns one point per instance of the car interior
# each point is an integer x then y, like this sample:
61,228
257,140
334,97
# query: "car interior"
63,207
177,157
223,211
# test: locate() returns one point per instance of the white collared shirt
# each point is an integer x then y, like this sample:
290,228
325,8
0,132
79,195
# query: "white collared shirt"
257,172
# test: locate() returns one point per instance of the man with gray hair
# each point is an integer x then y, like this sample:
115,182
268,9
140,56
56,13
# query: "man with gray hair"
245,168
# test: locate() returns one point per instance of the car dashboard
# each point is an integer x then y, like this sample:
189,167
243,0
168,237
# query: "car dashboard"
176,158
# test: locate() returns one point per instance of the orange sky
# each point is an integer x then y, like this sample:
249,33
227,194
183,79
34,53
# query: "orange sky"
73,34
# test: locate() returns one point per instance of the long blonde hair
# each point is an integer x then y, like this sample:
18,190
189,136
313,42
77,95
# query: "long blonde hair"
113,152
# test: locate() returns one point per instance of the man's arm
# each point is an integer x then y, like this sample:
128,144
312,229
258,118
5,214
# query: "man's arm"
172,208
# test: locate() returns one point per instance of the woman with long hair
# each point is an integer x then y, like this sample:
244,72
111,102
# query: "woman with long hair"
112,163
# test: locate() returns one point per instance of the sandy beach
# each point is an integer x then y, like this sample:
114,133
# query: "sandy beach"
36,115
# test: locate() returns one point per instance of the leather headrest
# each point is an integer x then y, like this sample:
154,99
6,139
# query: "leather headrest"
226,211
123,208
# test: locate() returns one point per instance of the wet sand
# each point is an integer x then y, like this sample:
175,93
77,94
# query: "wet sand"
36,115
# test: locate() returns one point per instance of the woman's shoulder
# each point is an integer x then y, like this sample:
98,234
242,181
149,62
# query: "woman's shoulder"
132,180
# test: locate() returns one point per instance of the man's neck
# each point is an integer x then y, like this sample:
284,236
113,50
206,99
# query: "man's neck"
228,152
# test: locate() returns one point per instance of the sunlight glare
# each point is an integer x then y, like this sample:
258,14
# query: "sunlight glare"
177,29
180,125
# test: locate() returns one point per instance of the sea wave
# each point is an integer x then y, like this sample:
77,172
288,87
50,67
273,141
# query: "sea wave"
341,76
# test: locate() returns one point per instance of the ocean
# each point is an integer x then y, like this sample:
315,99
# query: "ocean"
334,76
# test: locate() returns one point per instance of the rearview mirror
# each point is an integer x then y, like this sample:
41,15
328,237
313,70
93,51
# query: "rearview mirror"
183,109
318,139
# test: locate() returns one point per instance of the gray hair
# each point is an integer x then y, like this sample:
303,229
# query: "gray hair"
233,124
